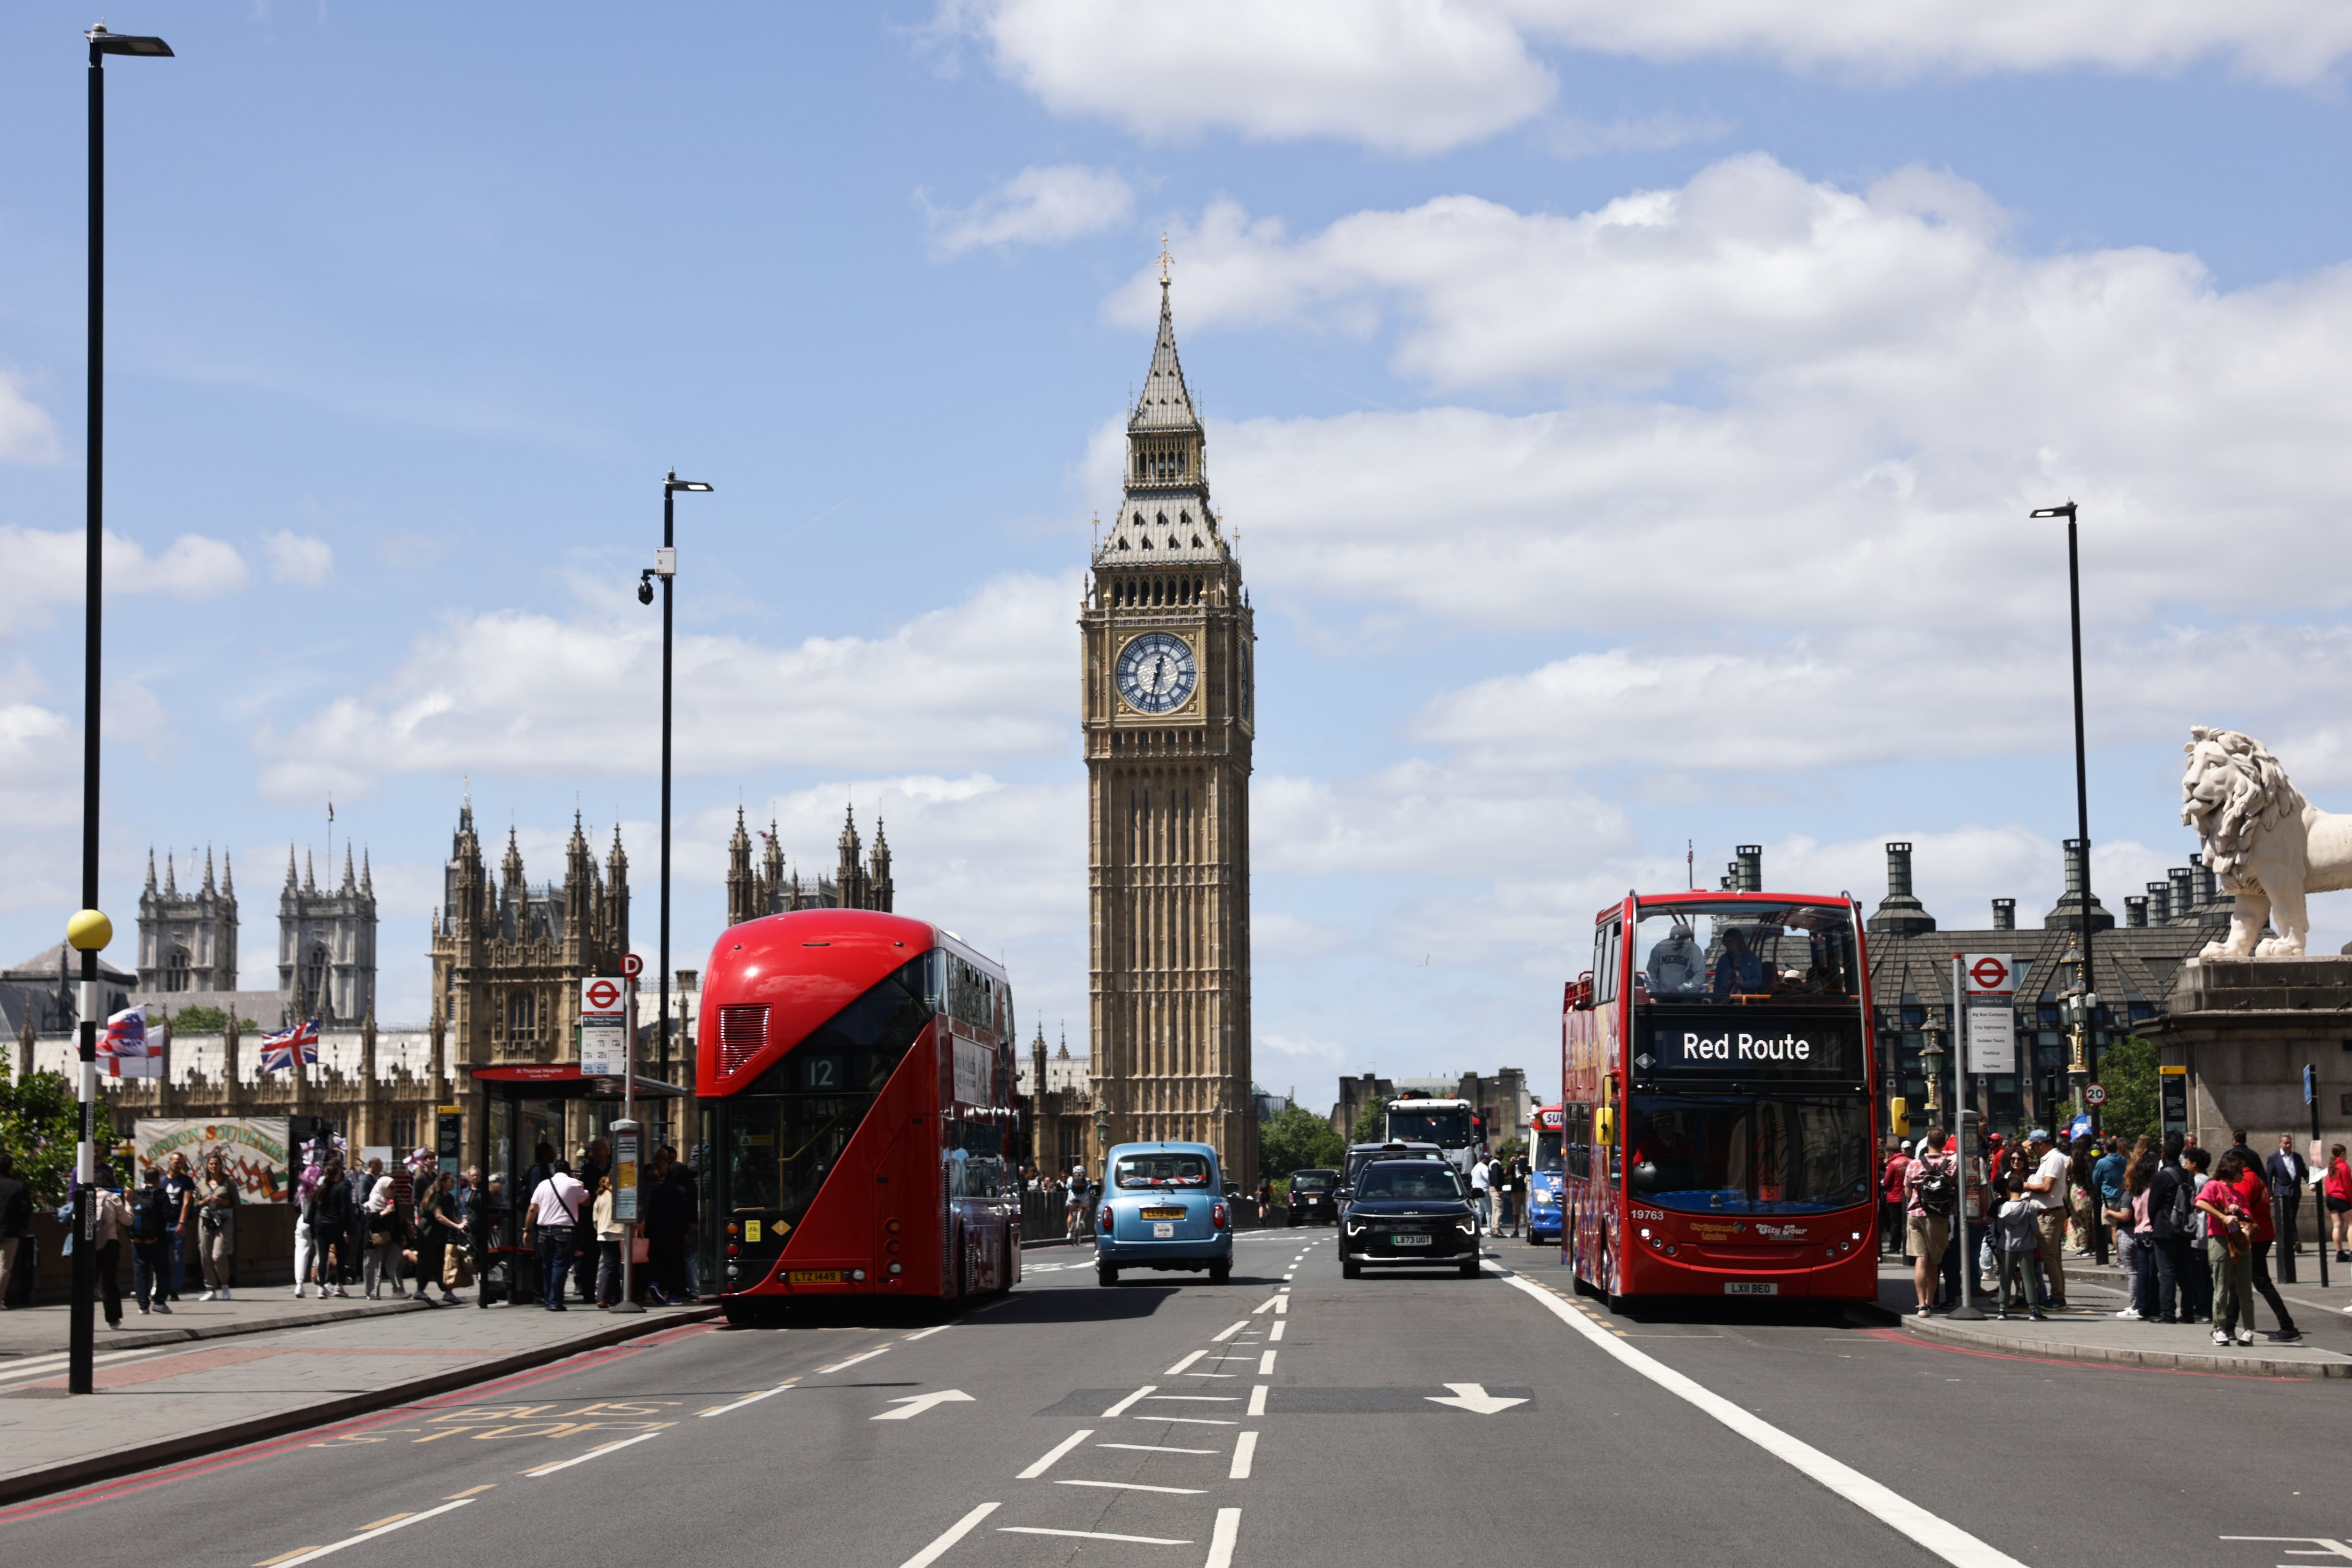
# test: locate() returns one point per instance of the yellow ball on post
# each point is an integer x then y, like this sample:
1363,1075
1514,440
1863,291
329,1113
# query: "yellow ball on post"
90,931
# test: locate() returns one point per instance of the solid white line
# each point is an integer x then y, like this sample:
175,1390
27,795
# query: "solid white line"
1264,1304
749,1399
1946,1540
1154,1448
1276,1336
1056,1452
1244,1451
1186,1420
1220,1541
955,1532
1180,1366
942,1328
1090,1535
1202,1398
1257,1400
1265,1364
1134,1486
1228,1334
591,1454
318,1551
1120,1408
853,1361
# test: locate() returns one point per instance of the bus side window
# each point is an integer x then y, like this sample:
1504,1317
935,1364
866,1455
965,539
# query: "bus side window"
1605,955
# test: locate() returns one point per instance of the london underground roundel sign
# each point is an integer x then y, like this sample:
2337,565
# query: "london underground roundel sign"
603,996
1990,973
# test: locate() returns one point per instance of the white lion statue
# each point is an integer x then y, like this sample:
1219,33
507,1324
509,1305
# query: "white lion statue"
2267,844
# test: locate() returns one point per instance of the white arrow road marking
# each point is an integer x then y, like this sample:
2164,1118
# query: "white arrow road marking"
1946,1540
1474,1397
402,1523
1263,1305
915,1405
955,1532
1056,1452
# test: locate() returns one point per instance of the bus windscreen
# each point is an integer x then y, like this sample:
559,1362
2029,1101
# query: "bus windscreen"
1547,1150
1780,1155
1747,952
1447,1129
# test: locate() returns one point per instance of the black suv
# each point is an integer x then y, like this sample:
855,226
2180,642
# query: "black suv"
1312,1197
1410,1213
1361,1155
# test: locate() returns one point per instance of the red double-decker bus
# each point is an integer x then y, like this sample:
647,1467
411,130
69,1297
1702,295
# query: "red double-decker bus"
1718,1101
855,1080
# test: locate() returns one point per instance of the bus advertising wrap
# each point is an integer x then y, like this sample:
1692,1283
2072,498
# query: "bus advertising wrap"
1747,1047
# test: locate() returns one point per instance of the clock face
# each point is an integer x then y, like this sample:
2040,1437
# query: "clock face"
1156,673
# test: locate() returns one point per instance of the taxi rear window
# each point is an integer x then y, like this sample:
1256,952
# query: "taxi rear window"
1147,1171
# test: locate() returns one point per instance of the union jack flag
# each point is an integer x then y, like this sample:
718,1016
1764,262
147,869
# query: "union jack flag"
278,1050
126,1033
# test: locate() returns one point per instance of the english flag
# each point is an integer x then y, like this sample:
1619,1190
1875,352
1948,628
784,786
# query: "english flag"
278,1050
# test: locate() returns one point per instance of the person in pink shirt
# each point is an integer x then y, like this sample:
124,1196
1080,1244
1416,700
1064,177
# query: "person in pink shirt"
2229,1244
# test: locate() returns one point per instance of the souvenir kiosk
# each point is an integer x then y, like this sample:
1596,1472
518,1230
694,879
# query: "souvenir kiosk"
525,1104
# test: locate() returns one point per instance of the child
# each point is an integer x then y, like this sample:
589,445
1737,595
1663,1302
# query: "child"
2019,1254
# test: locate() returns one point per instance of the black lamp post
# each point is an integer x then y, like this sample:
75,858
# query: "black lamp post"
2088,1003
89,930
665,566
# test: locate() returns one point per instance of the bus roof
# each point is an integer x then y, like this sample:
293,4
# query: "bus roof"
1702,895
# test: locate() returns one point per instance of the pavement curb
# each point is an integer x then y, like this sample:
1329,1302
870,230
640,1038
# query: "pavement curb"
190,1445
146,1339
2148,1359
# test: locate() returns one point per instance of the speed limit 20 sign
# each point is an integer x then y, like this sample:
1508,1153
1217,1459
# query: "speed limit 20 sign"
2094,1094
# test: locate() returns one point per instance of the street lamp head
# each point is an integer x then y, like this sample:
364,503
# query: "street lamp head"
2066,511
103,42
692,485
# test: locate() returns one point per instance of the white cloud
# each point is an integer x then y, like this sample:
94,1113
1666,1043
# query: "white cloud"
45,569
1420,76
1037,206
534,695
1405,76
132,713
298,558
28,433
1573,137
1430,819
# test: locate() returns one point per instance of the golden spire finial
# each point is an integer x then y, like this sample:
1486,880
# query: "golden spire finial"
1166,260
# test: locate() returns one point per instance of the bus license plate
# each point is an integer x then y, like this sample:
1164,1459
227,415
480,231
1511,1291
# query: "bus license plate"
1410,1240
813,1276
1163,1213
1751,1287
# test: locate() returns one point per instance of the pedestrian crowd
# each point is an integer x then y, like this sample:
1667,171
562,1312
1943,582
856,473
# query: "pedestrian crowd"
388,1231
1498,1189
2194,1234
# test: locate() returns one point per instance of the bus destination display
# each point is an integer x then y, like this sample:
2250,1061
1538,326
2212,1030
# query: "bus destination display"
1749,1047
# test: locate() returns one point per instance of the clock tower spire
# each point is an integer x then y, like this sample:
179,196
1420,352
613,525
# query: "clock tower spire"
1169,718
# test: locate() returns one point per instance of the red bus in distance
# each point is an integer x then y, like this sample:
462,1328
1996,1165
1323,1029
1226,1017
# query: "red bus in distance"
1717,1094
855,1077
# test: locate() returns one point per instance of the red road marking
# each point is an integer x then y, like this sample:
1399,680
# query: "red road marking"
125,1486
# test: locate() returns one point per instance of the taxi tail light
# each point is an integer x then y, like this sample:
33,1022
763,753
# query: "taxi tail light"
1105,1219
1217,1215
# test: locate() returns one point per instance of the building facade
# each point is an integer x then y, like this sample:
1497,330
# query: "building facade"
1167,712
187,941
765,888
1505,1102
1059,1091
326,943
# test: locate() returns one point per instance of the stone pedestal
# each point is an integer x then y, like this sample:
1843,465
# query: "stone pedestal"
2244,1027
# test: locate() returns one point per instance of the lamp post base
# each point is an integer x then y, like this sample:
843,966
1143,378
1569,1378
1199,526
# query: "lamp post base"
635,1307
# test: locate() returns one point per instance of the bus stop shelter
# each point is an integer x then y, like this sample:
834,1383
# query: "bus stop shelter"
527,1104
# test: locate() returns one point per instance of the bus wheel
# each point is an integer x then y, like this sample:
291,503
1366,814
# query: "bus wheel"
1106,1275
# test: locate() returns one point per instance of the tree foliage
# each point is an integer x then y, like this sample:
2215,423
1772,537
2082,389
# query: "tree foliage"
40,1125
1371,1125
1297,1139
206,1021
2127,1068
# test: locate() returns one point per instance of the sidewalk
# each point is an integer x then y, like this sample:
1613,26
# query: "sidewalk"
2090,1330
42,1331
168,1401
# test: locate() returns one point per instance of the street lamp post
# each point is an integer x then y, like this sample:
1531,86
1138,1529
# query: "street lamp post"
89,930
666,568
2086,1064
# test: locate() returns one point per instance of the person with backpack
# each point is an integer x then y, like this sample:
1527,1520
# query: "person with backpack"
153,1218
1931,1193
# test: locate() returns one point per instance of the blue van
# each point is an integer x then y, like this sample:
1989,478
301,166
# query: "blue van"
1163,1207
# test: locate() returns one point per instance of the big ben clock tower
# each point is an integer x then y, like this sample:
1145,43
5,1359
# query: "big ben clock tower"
1169,716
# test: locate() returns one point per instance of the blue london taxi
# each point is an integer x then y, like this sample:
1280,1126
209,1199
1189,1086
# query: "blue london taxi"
1163,1207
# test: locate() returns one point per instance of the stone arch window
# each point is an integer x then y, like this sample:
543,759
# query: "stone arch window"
175,970
314,978
523,1019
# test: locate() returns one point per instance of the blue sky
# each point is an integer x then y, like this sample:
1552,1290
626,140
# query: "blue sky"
1628,414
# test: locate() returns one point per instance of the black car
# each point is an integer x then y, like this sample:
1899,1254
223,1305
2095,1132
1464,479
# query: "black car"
1409,1213
1361,1155
1313,1196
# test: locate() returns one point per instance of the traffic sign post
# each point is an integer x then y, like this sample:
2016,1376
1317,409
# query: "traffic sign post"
2319,1200
626,1145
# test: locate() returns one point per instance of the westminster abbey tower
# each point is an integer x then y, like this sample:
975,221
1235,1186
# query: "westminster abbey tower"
1168,715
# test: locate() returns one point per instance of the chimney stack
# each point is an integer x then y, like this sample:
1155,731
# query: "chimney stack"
2004,915
1750,867
2159,903
2184,893
2136,910
2209,886
2068,915
1900,914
